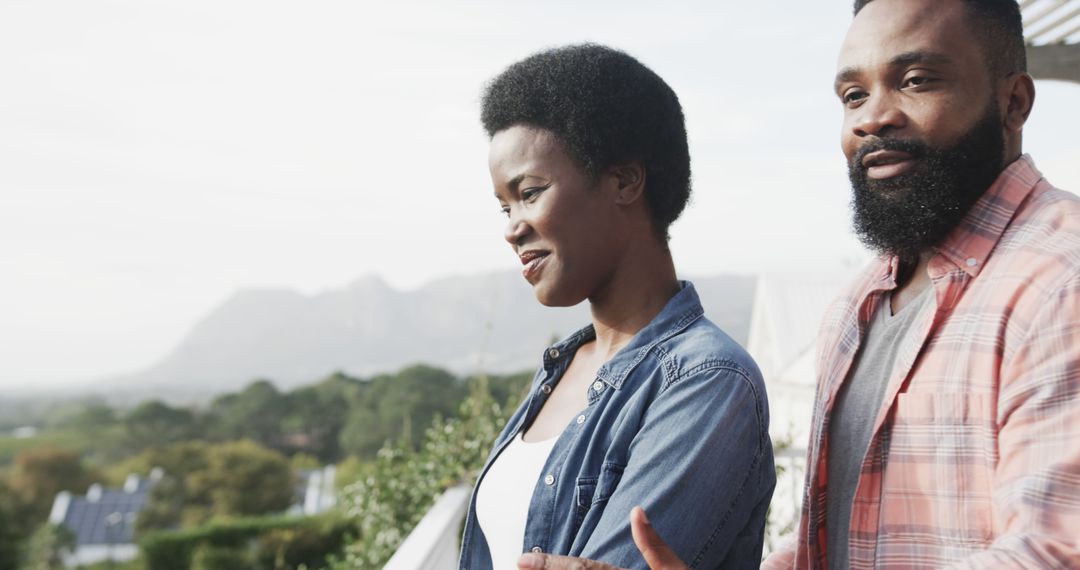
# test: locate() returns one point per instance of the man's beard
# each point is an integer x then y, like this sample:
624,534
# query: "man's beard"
908,214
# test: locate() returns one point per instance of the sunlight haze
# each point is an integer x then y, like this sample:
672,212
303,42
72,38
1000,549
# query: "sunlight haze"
156,157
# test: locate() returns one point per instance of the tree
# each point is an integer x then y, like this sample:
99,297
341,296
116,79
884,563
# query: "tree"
392,494
254,413
243,478
171,504
508,390
400,407
40,474
316,415
10,535
156,423
169,507
202,480
179,459
91,426
93,416
47,547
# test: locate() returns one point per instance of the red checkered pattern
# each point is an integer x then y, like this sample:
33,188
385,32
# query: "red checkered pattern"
975,458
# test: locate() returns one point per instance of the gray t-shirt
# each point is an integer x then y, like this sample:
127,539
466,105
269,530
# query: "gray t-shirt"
852,419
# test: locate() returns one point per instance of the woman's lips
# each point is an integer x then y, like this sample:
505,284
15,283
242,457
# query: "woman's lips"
534,262
887,164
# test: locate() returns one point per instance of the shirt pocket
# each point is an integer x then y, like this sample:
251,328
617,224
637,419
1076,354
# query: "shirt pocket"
595,491
937,480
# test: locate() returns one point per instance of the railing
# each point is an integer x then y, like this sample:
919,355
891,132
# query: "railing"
433,544
787,498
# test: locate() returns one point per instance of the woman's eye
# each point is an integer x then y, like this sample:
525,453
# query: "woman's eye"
530,194
504,210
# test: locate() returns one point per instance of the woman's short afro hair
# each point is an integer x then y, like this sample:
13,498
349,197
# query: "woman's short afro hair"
606,108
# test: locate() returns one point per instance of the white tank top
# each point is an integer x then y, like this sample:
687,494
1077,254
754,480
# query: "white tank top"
502,500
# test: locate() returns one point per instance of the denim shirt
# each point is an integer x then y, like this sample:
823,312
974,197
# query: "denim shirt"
677,422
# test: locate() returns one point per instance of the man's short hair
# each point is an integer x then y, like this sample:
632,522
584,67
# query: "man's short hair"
605,108
1000,28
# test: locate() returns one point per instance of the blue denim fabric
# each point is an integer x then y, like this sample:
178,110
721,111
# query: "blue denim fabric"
677,422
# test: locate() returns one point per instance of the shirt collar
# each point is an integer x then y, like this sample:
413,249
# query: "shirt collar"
681,310
969,244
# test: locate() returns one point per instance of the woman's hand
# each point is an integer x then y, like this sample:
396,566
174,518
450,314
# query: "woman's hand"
653,548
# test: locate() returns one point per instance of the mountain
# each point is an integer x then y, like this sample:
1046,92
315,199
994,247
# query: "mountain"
468,324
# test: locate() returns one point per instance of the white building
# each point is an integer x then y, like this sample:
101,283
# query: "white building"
316,491
784,323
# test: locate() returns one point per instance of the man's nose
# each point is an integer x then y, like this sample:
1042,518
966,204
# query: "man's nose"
878,116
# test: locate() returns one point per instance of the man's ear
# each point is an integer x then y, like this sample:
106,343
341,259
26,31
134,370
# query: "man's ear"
1018,95
630,179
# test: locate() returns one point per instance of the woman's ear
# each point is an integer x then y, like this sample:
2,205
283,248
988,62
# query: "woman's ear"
630,179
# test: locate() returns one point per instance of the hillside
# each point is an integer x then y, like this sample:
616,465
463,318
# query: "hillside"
467,324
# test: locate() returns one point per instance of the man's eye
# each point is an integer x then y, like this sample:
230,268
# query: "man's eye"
916,81
504,210
852,96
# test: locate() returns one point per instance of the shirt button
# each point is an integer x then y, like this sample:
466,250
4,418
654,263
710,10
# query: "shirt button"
598,385
553,352
581,419
537,549
972,262
546,388
549,480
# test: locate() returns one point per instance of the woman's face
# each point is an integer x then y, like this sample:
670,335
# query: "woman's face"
562,224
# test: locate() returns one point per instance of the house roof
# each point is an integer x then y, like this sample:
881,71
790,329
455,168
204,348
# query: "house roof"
104,516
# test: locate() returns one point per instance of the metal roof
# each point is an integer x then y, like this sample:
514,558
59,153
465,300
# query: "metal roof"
108,520
1052,31
104,516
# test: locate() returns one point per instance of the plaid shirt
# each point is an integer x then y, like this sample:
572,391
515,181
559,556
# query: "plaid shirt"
975,457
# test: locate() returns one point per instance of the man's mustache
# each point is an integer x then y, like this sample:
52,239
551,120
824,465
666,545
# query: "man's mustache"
913,147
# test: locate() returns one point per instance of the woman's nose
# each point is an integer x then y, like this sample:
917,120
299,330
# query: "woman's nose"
515,230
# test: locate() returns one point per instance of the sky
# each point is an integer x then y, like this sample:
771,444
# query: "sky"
156,157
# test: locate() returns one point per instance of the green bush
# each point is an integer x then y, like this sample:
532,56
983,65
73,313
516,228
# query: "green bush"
210,557
302,546
204,480
393,493
47,547
268,542
136,564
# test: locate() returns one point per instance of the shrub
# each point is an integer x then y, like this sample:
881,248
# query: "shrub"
268,542
395,491
209,557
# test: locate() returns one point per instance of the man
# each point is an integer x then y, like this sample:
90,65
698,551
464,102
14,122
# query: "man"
947,419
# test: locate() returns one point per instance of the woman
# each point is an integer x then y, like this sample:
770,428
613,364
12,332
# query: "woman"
651,404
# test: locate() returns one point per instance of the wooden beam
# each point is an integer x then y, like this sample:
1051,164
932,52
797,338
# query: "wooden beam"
1056,61
1048,7
1057,30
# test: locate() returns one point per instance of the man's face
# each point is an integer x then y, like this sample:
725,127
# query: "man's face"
922,130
